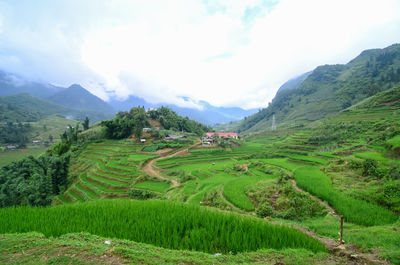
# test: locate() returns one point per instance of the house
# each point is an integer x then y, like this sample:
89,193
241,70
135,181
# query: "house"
10,147
142,141
36,142
146,129
171,137
207,141
223,134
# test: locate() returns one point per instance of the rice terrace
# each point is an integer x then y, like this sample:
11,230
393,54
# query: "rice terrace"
177,147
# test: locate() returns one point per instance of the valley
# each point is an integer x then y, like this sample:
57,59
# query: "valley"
151,187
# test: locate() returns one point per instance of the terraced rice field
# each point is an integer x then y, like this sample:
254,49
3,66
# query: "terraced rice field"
212,170
110,167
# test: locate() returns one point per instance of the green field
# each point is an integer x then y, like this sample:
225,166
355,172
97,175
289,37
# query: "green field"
9,156
165,224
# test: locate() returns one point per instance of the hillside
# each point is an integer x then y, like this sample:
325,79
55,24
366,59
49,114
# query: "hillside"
27,108
24,107
76,97
305,177
329,89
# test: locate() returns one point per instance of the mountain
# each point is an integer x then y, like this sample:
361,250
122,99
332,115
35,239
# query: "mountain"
25,107
294,82
208,114
11,84
329,89
77,97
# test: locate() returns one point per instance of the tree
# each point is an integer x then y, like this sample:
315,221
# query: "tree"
85,124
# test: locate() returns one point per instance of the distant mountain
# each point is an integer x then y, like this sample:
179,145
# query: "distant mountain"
11,84
77,97
209,114
329,89
25,107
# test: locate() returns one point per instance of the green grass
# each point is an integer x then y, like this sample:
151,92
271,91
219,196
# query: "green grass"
7,157
166,224
84,248
356,211
140,157
394,142
158,186
234,191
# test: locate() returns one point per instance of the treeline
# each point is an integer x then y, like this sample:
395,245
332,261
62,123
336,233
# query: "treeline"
35,181
32,181
15,133
172,121
127,123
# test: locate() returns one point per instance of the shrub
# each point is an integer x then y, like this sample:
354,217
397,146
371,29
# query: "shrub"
263,211
370,168
141,194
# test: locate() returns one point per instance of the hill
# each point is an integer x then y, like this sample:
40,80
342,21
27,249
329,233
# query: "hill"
76,97
329,89
24,107
27,108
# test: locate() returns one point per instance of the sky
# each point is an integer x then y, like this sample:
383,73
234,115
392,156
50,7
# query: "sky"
225,52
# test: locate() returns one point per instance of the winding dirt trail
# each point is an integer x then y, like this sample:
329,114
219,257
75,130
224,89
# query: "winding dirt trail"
324,203
152,170
352,252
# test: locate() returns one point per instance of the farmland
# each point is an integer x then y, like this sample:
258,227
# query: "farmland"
151,222
304,177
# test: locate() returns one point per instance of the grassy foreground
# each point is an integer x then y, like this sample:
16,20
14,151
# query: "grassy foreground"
164,224
84,248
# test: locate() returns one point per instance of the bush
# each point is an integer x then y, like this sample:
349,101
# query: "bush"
142,194
263,211
370,168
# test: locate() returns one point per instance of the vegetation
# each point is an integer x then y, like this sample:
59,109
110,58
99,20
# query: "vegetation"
172,121
150,222
331,88
306,173
355,211
32,181
84,248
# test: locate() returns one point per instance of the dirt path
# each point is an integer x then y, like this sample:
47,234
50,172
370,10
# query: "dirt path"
152,170
352,252
324,203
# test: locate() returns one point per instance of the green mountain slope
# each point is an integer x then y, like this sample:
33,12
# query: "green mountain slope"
24,107
77,97
27,108
331,88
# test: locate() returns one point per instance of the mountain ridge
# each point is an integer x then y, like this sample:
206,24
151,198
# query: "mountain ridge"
329,89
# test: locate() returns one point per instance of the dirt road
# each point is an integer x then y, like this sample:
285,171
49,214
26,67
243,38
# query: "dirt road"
152,170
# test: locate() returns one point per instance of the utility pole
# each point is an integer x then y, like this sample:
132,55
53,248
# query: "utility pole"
273,123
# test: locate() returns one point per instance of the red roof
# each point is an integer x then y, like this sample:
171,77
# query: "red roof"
209,134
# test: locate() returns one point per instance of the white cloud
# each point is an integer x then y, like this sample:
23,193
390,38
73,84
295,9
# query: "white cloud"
227,52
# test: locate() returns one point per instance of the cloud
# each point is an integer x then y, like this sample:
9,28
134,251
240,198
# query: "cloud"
226,52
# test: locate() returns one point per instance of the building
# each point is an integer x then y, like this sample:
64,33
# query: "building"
171,137
146,129
11,147
223,134
36,142
207,141
142,141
